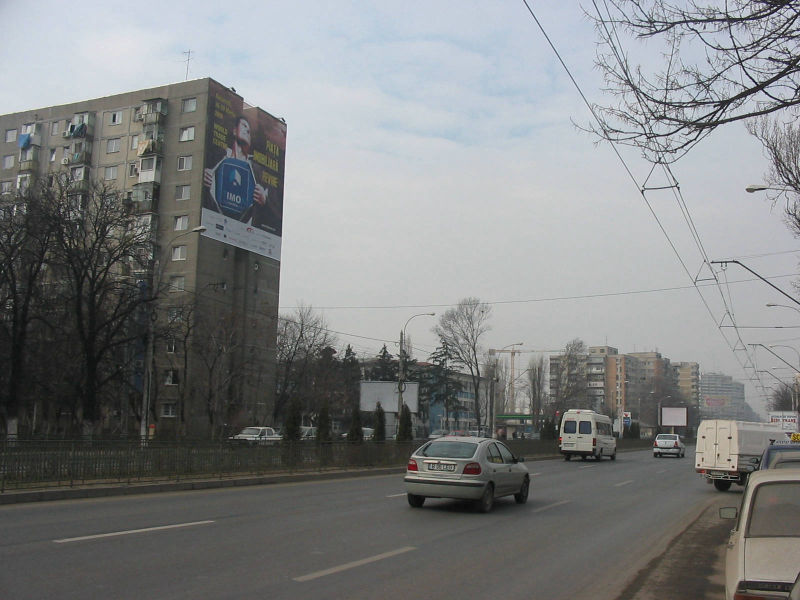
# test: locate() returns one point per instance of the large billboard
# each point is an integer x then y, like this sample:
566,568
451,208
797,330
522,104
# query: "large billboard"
243,174
674,416
385,392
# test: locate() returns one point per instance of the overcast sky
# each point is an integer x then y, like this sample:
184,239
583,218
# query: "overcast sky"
433,155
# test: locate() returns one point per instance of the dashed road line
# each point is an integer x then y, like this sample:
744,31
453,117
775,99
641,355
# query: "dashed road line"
130,532
354,564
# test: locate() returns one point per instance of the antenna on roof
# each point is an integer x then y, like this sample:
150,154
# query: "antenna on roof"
188,54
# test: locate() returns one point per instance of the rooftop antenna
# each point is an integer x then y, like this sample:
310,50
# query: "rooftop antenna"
188,54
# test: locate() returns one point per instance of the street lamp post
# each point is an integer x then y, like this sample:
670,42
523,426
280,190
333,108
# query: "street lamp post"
150,351
401,384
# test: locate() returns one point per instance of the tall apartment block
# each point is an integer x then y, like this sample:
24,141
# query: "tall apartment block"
204,171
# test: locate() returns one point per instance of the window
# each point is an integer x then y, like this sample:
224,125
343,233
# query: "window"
8,161
585,427
52,155
76,173
6,187
187,134
23,182
171,345
54,128
28,128
182,223
27,154
11,135
134,142
133,170
174,314
171,377
184,163
113,145
115,117
569,426
148,164
177,283
182,192
189,105
110,173
169,409
179,253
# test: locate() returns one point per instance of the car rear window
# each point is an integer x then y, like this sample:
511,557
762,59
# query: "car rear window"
449,449
775,510
667,436
585,427
781,455
569,426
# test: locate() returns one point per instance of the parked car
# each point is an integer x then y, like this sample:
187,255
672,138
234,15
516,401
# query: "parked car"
761,560
669,444
780,456
256,436
466,468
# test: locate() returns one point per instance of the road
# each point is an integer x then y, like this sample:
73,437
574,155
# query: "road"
587,530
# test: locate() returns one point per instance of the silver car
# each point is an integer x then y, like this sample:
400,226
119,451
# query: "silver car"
466,468
667,444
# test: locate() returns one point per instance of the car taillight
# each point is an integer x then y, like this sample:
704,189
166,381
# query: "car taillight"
594,442
472,469
655,444
559,439
676,445
412,465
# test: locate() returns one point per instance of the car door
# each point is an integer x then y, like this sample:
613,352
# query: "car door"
501,472
516,472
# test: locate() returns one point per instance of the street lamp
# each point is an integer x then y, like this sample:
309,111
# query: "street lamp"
761,187
401,384
150,351
771,305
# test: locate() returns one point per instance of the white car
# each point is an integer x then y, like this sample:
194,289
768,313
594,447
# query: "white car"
763,554
668,444
257,436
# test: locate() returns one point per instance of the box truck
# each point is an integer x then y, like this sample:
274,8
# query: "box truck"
728,451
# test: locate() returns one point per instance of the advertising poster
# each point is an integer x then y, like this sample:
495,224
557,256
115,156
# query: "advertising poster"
243,175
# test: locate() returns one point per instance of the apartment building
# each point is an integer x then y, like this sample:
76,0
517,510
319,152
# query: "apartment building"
204,171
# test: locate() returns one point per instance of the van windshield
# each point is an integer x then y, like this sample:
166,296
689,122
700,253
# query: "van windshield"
585,427
569,426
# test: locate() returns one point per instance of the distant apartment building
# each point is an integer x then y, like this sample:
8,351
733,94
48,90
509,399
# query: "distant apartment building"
688,378
722,397
204,171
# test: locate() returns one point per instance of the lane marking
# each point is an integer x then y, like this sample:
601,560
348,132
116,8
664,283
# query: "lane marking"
587,467
621,483
396,495
549,506
354,564
535,474
130,532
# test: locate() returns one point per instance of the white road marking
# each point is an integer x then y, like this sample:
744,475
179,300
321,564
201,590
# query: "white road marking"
130,531
587,467
354,564
396,495
549,506
535,474
621,483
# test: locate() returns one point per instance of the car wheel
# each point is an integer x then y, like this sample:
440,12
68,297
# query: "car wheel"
416,501
656,455
722,485
521,497
614,456
486,502
599,455
567,457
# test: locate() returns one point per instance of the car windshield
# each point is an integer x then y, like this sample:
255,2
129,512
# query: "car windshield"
250,431
775,510
780,455
450,449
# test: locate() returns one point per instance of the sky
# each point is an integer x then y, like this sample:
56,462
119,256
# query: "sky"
437,151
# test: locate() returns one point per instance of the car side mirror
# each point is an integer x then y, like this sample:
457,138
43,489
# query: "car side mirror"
728,512
519,459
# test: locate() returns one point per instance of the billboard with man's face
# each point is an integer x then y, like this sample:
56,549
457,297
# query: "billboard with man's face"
243,174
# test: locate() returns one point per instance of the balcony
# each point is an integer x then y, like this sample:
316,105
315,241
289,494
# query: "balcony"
81,126
152,112
30,165
80,158
146,147
144,198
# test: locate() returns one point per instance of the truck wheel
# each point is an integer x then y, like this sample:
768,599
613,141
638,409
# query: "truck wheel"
722,485
599,455
567,457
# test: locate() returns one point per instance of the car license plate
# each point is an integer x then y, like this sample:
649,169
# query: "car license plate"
441,467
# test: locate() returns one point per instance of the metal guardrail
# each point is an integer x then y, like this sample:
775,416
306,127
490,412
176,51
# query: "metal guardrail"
41,464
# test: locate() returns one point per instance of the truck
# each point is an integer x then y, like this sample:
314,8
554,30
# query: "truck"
728,451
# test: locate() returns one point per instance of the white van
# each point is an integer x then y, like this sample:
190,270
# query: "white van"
586,433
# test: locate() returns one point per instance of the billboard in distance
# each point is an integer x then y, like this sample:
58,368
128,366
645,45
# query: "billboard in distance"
786,418
674,416
243,174
385,392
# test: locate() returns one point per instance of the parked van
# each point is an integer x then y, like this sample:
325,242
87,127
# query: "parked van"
586,433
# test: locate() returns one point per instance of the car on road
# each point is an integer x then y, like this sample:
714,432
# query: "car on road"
466,468
761,559
256,436
780,456
669,444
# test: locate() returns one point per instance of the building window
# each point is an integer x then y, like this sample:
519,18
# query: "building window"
23,182
184,163
189,105
8,161
76,173
177,283
26,154
182,192
171,377
171,345
134,142
169,409
52,155
187,134
182,223
148,164
133,170
110,173
6,187
179,253
115,117
11,135
27,128
54,128
174,314
113,145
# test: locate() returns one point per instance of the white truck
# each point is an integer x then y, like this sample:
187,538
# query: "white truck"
728,451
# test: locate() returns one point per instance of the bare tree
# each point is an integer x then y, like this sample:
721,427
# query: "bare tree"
782,398
461,328
537,386
720,63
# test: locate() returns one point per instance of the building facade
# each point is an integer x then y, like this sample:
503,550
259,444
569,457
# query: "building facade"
204,171
722,397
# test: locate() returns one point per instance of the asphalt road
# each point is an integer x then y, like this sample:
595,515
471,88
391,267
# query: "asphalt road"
589,530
